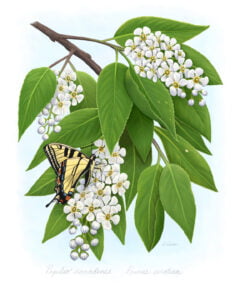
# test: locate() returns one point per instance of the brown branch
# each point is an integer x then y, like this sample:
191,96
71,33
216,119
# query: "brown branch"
57,37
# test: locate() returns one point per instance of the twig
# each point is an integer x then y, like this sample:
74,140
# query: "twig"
58,61
159,150
56,37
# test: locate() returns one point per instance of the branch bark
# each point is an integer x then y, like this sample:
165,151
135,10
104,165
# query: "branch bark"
61,39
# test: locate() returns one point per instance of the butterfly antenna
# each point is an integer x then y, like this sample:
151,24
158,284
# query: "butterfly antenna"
53,200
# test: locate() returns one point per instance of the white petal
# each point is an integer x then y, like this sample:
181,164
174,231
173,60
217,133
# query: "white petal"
173,91
66,209
106,209
199,71
90,217
115,219
114,189
113,201
70,217
106,225
137,31
146,30
188,63
129,42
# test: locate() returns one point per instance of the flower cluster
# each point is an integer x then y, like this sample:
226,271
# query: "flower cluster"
97,204
67,93
156,56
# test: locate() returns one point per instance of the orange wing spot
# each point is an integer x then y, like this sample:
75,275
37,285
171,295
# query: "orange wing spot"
58,180
68,198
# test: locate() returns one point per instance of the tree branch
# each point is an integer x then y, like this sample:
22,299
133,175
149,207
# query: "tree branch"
57,37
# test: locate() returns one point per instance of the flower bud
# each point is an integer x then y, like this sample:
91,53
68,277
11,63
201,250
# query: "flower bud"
79,241
95,225
83,255
85,247
85,229
72,229
93,232
94,242
41,130
74,255
73,244
45,137
57,128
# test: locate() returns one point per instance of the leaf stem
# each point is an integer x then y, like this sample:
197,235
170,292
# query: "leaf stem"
160,153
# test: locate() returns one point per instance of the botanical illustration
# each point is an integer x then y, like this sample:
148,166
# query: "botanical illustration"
99,136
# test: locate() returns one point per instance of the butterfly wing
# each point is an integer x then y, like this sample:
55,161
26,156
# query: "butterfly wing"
75,168
57,153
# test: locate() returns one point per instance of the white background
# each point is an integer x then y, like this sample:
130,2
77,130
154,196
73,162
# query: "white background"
209,278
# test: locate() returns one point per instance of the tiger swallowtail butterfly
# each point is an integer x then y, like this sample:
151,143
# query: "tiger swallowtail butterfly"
69,165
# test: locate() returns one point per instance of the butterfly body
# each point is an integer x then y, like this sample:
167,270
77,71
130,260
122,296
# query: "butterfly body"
69,165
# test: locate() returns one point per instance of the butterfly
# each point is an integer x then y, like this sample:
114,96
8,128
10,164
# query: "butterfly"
69,165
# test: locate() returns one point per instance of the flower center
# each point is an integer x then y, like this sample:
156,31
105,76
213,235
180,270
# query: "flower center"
95,179
100,192
91,208
179,53
141,69
61,88
73,209
133,47
119,184
108,217
139,55
152,47
101,149
143,37
182,69
68,78
167,72
60,104
82,194
115,154
164,58
196,79
153,58
169,47
176,84
110,173
74,94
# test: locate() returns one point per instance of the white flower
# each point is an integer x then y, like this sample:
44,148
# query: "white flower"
107,215
166,70
184,65
101,150
117,154
151,44
110,171
153,58
120,184
73,209
140,68
142,34
179,54
131,46
100,190
197,82
175,82
75,93
84,193
170,45
138,55
68,75
62,86
113,202
62,106
152,73
91,206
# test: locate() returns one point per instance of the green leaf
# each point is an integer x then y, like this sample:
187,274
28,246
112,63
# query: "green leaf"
133,166
120,228
152,99
177,197
201,61
192,136
113,102
182,153
44,185
180,30
140,130
149,214
89,91
79,129
97,250
56,223
196,116
37,91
